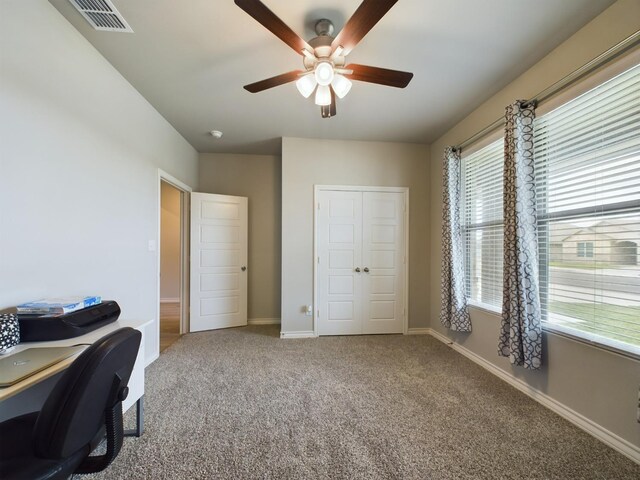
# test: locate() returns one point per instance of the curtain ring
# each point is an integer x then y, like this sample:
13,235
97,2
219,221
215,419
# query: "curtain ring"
529,103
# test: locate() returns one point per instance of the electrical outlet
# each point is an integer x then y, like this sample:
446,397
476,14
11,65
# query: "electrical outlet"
308,310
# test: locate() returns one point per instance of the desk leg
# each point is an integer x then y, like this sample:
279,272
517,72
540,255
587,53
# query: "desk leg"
136,432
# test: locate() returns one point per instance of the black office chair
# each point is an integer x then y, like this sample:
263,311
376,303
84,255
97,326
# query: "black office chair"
87,401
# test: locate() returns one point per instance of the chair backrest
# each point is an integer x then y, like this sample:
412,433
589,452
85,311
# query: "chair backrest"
74,411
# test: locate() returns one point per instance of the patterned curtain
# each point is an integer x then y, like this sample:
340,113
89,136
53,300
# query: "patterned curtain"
521,331
453,313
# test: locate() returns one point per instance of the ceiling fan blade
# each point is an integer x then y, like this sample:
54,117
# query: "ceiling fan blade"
273,81
365,17
382,76
271,22
328,111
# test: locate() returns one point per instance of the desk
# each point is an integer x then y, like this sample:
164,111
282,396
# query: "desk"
12,398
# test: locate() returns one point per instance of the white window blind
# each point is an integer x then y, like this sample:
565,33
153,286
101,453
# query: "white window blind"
588,194
482,225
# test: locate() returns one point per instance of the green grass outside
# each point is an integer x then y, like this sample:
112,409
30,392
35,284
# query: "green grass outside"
612,317
583,265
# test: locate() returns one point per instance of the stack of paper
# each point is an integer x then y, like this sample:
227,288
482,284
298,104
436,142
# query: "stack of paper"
58,305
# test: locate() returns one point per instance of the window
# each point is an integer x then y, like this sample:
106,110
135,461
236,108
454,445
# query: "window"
588,194
588,198
585,249
482,226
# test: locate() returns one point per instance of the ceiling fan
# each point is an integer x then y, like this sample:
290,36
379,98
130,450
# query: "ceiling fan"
325,70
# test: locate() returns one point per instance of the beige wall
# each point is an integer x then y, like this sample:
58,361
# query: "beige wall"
258,178
169,243
600,385
306,163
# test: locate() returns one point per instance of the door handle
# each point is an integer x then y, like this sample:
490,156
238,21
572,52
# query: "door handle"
366,269
243,268
357,269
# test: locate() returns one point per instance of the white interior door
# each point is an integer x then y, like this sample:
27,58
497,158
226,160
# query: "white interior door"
383,260
339,233
361,267
219,241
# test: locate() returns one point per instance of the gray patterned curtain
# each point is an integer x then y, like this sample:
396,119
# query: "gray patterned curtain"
453,313
521,331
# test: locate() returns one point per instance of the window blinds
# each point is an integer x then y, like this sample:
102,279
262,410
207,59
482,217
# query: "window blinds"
482,225
588,196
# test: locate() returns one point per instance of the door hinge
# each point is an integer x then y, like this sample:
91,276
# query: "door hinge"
318,205
318,313
318,260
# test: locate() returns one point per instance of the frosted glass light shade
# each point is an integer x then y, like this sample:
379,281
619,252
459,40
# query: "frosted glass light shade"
323,95
341,85
306,84
324,73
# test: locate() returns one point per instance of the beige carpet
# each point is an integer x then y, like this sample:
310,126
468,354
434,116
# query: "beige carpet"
243,404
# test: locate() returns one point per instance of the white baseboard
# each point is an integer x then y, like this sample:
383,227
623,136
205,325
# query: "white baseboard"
306,334
605,436
418,331
263,321
149,361
170,300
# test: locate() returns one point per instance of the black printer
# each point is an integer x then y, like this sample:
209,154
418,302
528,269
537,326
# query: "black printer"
44,328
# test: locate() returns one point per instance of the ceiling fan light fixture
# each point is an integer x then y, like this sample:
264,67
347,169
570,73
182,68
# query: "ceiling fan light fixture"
325,67
306,85
323,95
324,73
341,85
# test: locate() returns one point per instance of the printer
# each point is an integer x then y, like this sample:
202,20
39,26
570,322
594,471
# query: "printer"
44,328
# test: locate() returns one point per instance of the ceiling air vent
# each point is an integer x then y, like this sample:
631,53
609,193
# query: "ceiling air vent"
102,15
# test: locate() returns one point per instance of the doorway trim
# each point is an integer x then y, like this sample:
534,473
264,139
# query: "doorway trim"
358,188
184,251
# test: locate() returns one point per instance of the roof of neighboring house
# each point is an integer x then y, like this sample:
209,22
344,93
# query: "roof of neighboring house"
602,230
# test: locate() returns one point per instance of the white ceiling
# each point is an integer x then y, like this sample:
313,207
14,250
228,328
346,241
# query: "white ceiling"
190,60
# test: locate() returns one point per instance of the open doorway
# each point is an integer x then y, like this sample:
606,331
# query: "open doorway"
172,263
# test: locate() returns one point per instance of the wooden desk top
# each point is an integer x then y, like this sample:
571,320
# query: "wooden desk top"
89,338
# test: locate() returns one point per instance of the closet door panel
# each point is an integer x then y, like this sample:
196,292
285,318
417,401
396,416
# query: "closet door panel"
383,257
339,246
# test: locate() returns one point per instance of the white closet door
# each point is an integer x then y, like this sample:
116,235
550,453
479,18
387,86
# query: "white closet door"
219,241
383,262
339,223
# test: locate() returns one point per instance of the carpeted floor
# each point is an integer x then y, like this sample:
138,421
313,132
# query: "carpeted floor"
243,404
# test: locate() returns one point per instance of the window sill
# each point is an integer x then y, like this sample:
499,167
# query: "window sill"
585,338
629,351
485,307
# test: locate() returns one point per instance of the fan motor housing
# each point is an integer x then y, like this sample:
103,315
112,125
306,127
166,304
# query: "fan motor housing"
324,28
322,45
